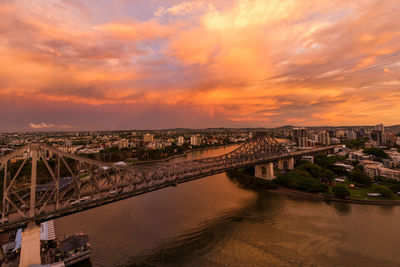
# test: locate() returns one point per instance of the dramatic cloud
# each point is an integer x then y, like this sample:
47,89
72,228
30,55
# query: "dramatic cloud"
156,64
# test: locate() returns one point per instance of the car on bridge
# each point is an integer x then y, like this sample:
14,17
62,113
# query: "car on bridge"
72,202
84,199
114,191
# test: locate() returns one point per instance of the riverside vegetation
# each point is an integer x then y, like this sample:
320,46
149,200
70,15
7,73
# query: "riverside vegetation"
319,177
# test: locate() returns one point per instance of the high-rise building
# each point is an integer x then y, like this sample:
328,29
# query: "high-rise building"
195,140
340,134
181,140
148,138
375,138
380,127
351,135
314,138
300,137
323,138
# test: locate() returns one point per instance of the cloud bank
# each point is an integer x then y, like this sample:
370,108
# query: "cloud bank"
140,64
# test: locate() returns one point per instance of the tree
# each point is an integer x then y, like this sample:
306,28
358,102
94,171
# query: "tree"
340,191
313,169
355,144
328,175
302,180
377,152
328,163
339,170
301,173
360,178
380,179
384,190
311,185
324,161
300,162
359,168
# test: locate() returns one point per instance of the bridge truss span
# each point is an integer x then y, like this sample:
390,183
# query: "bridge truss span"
41,182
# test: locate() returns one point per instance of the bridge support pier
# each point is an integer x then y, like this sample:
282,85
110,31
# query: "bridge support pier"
30,246
286,164
265,171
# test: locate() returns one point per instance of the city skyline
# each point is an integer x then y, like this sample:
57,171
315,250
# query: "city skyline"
79,66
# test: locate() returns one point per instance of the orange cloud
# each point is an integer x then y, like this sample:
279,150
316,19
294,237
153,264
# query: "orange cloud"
257,62
387,70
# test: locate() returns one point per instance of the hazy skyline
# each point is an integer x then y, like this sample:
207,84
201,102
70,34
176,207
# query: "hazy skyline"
149,64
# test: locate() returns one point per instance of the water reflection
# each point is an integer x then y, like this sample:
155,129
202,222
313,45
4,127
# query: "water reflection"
184,249
341,207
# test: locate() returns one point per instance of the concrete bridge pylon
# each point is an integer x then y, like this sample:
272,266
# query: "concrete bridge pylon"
30,246
265,171
286,164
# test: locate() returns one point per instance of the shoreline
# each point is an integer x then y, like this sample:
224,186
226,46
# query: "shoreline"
293,192
160,160
180,155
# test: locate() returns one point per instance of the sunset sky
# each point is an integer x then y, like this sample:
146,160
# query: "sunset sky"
140,64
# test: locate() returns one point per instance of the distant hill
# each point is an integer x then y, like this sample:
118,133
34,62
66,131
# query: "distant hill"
285,127
393,127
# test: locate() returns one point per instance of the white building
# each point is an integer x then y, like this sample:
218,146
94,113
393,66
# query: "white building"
148,138
314,138
123,143
195,140
389,173
398,140
348,168
394,156
181,140
373,168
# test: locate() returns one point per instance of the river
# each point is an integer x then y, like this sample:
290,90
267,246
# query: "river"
214,222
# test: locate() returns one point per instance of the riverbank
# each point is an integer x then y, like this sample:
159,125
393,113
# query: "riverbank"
247,181
161,160
180,155
293,192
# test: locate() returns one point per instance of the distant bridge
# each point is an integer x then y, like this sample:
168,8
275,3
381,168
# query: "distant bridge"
76,183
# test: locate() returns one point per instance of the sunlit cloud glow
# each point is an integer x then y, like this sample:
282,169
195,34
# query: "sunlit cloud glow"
237,63
52,126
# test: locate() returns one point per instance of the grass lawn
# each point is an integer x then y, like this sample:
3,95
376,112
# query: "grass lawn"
361,193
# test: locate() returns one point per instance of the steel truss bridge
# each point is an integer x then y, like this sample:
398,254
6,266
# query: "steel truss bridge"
75,183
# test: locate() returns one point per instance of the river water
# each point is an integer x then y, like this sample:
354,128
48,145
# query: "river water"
214,222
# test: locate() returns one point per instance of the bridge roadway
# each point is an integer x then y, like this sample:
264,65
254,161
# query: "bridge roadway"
108,183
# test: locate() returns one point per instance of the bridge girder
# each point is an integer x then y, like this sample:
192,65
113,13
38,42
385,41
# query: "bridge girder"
74,183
